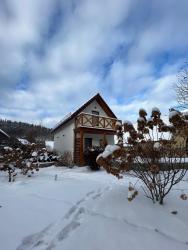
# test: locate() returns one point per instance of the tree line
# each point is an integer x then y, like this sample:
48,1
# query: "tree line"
31,132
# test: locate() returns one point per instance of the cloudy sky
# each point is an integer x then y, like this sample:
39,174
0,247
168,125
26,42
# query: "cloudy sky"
56,54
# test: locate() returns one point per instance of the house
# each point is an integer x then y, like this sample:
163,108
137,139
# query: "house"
7,140
4,139
3,136
84,128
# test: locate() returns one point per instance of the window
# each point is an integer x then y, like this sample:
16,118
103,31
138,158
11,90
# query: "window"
94,112
95,118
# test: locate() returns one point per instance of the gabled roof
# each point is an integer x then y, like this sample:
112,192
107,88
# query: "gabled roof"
97,98
4,134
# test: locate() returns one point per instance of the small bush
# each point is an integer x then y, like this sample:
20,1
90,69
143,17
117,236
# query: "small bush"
66,159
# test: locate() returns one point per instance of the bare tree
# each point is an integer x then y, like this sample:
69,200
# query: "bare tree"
150,153
181,87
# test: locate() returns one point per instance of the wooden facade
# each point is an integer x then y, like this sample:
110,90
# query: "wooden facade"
95,121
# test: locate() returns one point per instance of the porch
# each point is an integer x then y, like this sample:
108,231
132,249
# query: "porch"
85,138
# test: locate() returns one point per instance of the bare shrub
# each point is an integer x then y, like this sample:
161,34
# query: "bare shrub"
149,152
14,159
66,159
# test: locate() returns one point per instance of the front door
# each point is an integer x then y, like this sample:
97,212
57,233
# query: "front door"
87,143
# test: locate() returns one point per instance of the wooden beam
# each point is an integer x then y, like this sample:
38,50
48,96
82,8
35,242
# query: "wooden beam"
98,131
95,131
75,146
81,148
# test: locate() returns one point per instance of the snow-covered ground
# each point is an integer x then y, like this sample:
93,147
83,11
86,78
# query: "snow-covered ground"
87,210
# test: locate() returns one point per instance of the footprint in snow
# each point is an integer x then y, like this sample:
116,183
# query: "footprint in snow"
96,196
89,193
70,212
64,233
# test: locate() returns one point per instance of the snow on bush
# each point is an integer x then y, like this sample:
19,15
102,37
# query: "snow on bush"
34,154
109,150
8,149
157,145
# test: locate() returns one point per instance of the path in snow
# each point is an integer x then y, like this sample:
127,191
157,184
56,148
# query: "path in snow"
54,233
80,222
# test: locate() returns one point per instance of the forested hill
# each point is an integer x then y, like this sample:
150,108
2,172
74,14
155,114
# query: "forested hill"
28,131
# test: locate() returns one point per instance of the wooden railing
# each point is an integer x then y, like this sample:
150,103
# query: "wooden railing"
95,121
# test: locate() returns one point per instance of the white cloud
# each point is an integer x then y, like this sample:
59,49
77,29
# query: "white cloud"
161,95
112,47
128,79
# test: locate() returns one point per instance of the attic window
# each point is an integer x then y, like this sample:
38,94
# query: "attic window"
94,112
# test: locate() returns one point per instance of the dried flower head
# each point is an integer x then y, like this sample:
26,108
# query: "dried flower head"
128,126
145,131
155,112
150,123
183,197
154,168
118,125
175,117
142,113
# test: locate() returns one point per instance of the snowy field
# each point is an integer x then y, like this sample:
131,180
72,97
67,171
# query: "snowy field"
87,210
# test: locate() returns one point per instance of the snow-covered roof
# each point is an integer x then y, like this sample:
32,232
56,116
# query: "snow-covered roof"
5,134
65,118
